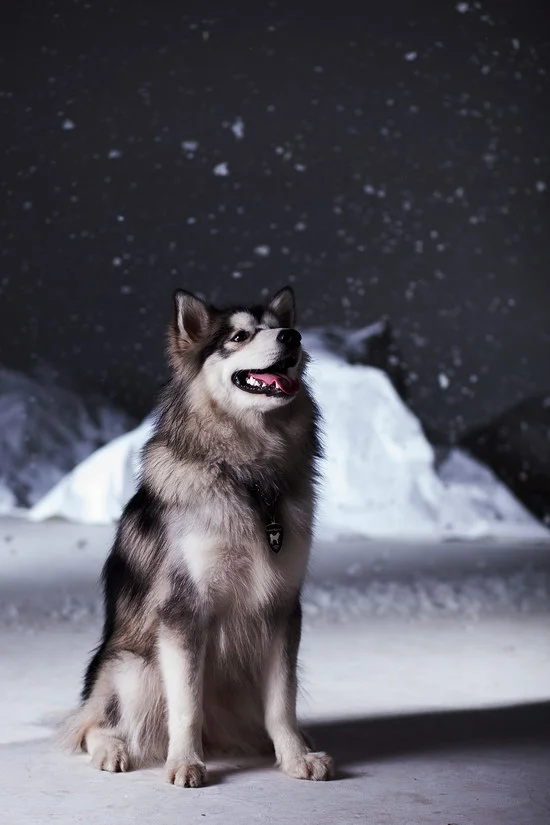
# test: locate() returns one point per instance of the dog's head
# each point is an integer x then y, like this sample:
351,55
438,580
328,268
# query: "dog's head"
244,358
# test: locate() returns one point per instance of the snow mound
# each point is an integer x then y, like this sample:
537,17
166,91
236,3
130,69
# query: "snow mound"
96,491
379,474
374,345
45,431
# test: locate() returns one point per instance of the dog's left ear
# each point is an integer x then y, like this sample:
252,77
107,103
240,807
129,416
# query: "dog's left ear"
283,306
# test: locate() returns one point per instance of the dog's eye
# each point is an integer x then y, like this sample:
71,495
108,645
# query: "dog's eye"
240,336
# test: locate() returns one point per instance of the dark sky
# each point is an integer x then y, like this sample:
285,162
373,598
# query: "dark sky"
389,162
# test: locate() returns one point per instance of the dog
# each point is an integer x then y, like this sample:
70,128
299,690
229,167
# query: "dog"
202,585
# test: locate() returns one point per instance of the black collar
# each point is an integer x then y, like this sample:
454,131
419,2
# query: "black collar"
266,498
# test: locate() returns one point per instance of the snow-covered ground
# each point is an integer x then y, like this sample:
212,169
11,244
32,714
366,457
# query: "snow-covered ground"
425,671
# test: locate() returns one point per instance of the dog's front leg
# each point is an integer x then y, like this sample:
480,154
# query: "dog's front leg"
181,657
280,693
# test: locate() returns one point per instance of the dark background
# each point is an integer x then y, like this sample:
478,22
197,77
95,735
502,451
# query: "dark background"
395,161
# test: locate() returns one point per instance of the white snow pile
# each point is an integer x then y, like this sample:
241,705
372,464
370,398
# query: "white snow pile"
380,476
45,431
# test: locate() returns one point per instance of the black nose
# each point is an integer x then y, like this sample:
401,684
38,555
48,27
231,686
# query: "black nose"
290,338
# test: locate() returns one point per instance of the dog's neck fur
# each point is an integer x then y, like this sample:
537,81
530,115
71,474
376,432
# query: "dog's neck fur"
266,449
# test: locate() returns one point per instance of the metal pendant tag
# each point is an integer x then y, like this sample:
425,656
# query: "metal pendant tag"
275,535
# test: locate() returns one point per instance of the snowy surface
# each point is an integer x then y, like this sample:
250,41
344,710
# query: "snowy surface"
431,770
348,580
435,710
379,474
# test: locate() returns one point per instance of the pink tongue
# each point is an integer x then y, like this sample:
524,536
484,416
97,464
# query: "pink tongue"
283,382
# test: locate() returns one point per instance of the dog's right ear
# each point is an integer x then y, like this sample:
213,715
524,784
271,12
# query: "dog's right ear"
190,324
191,317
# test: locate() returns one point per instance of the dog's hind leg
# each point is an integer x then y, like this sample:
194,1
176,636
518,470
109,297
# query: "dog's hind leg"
97,725
107,748
121,723
107,751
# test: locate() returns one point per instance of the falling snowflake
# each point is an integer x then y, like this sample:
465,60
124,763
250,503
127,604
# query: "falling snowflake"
237,128
221,170
263,251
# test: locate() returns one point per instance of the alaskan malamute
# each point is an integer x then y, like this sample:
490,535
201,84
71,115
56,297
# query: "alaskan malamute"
202,585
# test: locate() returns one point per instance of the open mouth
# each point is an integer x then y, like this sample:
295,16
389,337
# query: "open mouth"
272,381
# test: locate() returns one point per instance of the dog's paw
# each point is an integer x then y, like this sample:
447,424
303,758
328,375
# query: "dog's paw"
111,755
186,774
315,766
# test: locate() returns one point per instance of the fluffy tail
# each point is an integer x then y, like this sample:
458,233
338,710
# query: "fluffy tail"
72,729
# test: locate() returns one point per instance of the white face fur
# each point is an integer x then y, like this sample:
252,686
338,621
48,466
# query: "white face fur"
256,348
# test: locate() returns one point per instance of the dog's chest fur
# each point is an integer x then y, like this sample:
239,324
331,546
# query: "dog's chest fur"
231,562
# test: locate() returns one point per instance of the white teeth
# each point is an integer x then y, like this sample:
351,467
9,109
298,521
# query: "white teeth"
253,382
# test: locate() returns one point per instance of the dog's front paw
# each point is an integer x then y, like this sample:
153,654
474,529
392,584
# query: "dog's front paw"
316,766
112,755
186,774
